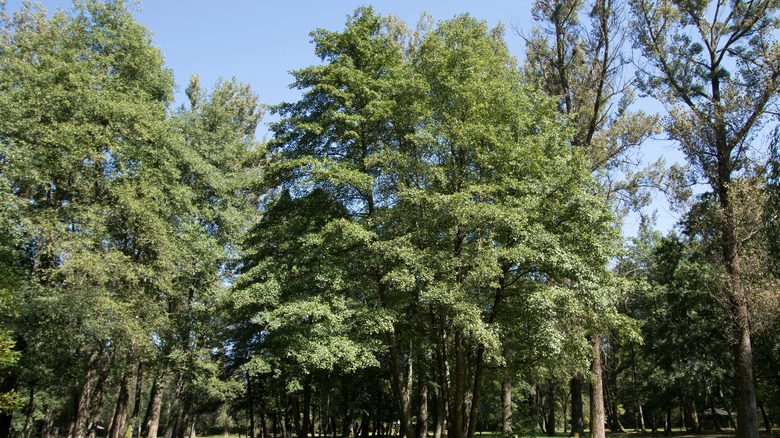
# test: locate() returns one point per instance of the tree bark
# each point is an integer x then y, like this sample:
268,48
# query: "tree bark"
83,401
533,408
551,407
153,409
120,412
460,386
307,423
475,392
137,396
596,391
401,387
442,380
422,397
767,420
250,404
577,420
506,404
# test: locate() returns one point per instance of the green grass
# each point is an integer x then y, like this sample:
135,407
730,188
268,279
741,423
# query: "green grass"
676,432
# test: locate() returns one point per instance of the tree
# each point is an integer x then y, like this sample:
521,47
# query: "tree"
455,196
577,55
122,217
715,66
83,151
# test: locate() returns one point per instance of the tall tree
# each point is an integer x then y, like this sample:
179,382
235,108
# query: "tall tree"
715,66
577,55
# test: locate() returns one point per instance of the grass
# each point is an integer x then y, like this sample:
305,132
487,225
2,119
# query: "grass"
676,433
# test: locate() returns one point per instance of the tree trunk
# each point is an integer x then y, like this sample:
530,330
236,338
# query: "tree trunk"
153,409
577,420
596,391
137,395
83,400
401,387
296,414
460,386
506,404
767,420
744,389
307,423
442,381
120,412
747,415
551,407
174,412
250,404
533,408
475,392
422,397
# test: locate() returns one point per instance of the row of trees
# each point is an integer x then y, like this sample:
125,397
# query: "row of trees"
427,244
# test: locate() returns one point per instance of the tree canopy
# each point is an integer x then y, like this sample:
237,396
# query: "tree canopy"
428,243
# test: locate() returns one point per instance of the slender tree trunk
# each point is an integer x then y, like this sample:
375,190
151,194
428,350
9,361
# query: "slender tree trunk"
653,422
175,414
597,391
401,387
307,423
296,414
153,410
475,392
747,415
533,408
187,423
135,429
668,422
577,420
744,388
422,397
456,413
551,407
82,406
442,380
285,418
767,420
250,404
506,403
120,411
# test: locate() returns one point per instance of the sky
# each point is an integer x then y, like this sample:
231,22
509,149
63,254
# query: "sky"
259,42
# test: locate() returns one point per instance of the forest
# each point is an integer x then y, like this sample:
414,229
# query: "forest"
429,243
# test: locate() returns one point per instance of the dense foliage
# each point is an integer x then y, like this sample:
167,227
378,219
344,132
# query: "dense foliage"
428,244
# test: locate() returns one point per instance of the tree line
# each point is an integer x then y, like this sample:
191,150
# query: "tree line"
429,242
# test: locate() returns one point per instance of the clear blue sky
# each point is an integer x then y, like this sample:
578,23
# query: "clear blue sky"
259,42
